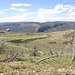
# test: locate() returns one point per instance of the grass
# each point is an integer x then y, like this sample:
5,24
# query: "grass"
44,41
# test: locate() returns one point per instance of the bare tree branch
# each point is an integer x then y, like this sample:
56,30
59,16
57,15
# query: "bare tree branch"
14,56
46,59
1,46
53,60
51,52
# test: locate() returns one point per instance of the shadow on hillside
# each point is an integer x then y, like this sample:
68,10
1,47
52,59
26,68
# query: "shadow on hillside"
27,40
16,41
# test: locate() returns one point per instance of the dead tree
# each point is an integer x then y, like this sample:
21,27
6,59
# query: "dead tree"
12,57
73,54
2,44
35,52
46,59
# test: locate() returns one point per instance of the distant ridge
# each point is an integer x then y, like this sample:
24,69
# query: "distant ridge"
32,27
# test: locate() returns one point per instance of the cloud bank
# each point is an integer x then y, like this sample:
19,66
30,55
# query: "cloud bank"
59,13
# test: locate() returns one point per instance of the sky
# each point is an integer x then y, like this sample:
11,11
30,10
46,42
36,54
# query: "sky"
37,10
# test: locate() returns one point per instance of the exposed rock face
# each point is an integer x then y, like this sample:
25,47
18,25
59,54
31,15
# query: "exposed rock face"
37,26
30,24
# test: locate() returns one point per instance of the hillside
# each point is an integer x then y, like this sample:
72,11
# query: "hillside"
33,27
16,63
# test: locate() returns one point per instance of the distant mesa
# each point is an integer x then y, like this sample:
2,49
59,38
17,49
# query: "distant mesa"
36,27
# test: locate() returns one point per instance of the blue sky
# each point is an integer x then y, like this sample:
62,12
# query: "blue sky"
37,10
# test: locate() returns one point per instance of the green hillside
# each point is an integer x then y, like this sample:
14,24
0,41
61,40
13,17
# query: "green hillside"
21,52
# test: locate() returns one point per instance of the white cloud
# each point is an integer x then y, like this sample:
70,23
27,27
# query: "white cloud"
6,9
18,5
45,14
60,12
13,8
2,12
20,10
72,14
64,8
64,18
19,17
59,7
